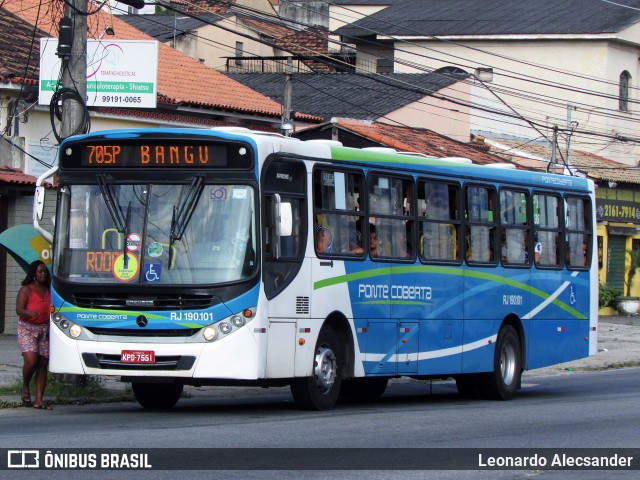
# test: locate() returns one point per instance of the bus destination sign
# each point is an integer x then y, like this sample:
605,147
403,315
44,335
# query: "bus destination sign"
157,154
103,155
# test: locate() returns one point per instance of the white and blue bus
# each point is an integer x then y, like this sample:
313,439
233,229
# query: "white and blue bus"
232,257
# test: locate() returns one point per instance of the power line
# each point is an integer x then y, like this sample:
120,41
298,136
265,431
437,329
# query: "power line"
333,61
537,123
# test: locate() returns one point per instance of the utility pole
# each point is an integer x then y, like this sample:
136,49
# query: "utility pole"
554,146
287,124
72,50
570,126
74,75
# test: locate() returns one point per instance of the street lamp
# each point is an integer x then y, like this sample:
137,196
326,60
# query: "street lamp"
484,74
287,127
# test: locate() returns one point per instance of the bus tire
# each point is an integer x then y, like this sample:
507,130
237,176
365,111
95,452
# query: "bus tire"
363,389
157,395
320,391
504,381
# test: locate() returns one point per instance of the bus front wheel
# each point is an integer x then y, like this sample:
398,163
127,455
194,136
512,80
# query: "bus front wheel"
504,381
321,390
157,395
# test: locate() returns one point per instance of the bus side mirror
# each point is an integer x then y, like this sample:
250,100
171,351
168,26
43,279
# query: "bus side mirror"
284,219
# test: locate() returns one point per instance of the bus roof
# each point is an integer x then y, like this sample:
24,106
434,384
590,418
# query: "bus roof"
457,168
382,157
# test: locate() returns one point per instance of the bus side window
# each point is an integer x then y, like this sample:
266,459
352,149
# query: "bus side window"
337,213
514,227
439,221
481,227
390,207
578,228
547,229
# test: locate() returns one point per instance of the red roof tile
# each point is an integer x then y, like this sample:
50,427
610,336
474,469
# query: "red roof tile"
418,140
204,6
193,120
266,28
15,176
592,165
16,44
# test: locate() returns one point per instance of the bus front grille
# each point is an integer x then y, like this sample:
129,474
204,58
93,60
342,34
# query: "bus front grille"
113,362
157,302
143,332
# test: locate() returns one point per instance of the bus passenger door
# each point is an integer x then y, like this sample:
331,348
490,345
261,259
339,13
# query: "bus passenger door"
283,185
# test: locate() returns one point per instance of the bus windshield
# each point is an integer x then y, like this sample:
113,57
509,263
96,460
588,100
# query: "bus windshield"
186,234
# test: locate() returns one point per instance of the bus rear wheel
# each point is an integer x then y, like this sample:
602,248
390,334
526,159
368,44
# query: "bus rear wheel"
504,381
157,395
321,390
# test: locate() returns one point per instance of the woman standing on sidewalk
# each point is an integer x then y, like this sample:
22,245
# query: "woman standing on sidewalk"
32,307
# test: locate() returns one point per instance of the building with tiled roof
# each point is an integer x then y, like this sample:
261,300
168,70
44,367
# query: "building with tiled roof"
413,100
14,70
237,41
362,134
554,62
11,177
226,7
538,155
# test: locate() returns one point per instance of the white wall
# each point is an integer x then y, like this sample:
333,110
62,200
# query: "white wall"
435,114
593,66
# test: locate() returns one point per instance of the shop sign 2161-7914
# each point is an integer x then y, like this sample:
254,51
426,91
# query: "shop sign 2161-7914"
618,205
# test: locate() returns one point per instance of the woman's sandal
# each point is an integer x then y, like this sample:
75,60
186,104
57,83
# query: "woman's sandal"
26,398
44,406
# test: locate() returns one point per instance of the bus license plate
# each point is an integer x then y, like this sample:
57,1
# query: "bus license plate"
138,356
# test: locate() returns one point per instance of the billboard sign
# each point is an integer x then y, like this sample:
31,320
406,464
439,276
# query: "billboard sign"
120,73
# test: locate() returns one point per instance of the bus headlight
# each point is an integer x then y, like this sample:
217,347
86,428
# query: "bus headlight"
237,321
69,328
223,327
209,333
75,331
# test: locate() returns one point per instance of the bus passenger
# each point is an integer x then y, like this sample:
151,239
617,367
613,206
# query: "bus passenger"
537,250
324,239
375,245
355,243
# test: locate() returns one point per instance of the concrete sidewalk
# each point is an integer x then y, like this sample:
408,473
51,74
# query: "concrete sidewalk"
618,343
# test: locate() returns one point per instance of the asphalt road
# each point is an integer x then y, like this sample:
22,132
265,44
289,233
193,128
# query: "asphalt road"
585,410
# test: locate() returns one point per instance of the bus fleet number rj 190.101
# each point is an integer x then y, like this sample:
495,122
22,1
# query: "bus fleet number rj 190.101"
192,316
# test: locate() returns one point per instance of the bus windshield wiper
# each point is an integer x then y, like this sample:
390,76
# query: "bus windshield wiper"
127,220
183,211
171,237
114,210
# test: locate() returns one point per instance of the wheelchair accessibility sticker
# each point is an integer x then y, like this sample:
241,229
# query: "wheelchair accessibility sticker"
152,272
572,294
